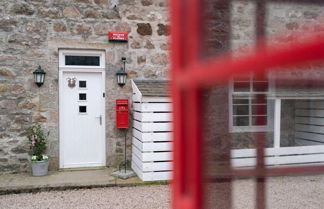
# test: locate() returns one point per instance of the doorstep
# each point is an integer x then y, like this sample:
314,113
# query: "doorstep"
63,180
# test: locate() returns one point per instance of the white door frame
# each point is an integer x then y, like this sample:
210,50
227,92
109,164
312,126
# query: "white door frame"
81,69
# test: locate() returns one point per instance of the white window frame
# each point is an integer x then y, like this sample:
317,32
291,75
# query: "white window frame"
251,128
63,53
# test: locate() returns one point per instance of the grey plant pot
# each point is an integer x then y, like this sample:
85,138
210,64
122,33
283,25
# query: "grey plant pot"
40,168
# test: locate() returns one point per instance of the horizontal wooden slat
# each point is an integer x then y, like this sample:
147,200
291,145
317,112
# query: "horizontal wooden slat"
152,137
310,136
152,176
151,146
157,176
150,127
311,113
310,105
282,160
309,128
152,117
310,120
307,142
239,153
149,166
153,156
152,107
146,99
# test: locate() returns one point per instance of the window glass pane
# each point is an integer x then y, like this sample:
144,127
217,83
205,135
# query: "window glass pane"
82,96
82,84
255,78
240,101
82,109
241,86
82,60
241,78
240,110
259,109
240,121
261,100
262,120
260,86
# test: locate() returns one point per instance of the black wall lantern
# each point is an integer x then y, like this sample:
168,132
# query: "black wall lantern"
121,74
39,76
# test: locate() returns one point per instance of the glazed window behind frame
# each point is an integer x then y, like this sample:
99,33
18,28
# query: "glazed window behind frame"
244,104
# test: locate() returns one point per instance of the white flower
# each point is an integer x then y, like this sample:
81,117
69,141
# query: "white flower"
34,158
45,157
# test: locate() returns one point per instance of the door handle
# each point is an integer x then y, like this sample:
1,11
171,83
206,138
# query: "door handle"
100,119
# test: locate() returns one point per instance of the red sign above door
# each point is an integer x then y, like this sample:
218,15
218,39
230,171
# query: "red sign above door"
118,36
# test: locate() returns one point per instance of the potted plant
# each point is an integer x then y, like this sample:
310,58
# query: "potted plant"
37,140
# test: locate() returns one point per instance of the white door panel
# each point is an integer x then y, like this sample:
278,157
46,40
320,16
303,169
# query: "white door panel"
82,129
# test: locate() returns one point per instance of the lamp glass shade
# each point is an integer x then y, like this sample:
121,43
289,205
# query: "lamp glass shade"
39,76
121,77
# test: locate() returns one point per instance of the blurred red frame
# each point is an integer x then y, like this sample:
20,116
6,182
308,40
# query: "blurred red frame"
190,75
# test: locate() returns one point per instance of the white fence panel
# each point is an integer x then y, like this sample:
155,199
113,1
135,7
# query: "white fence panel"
151,146
152,107
152,137
152,156
151,127
152,166
311,113
279,156
310,121
151,117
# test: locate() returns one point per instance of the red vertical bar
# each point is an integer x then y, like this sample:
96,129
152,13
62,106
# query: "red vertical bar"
260,143
187,184
177,59
194,148
194,29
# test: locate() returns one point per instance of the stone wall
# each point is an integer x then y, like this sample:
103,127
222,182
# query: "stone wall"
32,32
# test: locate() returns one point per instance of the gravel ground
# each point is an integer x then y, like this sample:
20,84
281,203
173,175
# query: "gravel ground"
304,192
300,192
142,197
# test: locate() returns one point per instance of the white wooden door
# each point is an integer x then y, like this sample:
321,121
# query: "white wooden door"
82,120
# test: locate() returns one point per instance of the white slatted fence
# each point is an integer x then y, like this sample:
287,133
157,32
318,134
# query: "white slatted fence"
279,156
309,122
151,142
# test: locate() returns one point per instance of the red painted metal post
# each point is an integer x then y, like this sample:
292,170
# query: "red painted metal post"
187,185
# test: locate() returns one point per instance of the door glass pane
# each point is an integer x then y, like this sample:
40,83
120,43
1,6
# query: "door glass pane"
82,60
82,96
82,84
82,109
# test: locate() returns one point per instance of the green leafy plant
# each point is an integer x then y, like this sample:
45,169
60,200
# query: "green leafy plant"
37,138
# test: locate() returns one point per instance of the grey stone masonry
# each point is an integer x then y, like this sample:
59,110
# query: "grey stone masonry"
31,34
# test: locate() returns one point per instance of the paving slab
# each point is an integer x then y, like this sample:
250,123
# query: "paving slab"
61,180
